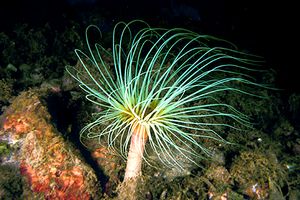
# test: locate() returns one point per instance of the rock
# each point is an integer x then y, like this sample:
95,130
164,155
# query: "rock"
52,168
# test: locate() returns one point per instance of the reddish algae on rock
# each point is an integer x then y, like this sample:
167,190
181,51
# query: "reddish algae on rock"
50,165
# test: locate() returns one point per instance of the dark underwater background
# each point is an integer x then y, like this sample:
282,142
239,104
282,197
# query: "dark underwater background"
266,28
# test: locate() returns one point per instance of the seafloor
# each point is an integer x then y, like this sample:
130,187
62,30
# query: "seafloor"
42,111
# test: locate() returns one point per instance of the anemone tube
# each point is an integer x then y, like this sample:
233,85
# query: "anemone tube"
158,86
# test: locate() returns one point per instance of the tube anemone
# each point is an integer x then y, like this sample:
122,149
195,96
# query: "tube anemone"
157,87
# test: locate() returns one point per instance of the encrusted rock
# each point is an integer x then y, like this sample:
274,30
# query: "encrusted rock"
52,168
